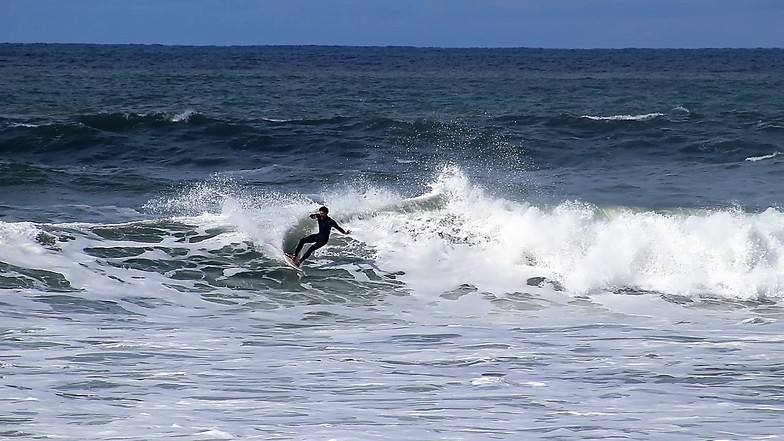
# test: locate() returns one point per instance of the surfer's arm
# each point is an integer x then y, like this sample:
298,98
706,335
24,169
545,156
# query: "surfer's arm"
339,228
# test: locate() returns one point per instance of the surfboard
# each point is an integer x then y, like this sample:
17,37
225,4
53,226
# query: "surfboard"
290,263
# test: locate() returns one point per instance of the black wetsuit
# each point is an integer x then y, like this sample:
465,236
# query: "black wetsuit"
325,225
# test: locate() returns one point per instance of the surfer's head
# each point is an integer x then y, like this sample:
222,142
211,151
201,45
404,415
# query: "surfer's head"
323,211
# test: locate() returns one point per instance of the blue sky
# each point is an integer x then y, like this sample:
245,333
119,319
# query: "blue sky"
424,23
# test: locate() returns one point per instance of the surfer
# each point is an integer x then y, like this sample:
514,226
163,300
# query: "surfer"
325,224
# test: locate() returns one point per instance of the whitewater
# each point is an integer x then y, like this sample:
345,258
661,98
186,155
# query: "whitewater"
457,229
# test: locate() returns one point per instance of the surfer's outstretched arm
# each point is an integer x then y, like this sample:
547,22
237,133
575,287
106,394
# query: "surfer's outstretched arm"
339,228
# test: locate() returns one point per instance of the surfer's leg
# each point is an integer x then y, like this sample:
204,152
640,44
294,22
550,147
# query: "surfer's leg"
303,241
313,248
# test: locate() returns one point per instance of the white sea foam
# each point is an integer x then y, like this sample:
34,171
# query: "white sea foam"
28,125
763,157
643,117
493,244
184,116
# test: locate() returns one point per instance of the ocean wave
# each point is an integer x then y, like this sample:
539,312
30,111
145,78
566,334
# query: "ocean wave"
27,125
677,113
126,121
125,137
771,126
763,157
184,116
723,150
117,121
497,245
642,117
220,236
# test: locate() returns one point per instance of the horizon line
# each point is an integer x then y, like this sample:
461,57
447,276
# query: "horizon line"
41,43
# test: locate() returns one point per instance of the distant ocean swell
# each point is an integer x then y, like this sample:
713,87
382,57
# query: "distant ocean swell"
160,137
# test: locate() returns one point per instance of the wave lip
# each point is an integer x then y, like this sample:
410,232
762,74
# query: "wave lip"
676,114
763,157
643,117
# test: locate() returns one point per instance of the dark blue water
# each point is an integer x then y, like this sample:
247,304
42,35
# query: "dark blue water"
117,125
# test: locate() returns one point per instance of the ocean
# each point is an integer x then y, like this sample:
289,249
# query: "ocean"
545,244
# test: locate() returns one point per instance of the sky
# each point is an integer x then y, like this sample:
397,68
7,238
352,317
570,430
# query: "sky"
573,24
